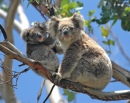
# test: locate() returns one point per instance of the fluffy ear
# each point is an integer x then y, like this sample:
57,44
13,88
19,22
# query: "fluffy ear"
78,20
24,34
52,26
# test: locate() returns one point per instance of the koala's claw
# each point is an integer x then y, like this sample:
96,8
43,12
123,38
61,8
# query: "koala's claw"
56,77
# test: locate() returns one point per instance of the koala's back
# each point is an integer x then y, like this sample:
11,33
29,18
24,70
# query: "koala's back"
93,67
44,54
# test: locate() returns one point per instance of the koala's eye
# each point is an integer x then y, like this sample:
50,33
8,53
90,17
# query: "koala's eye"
32,36
60,30
71,28
28,34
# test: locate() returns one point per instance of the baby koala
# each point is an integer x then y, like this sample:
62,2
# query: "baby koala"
84,60
39,46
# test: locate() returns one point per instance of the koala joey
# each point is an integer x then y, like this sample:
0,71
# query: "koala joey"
84,60
39,46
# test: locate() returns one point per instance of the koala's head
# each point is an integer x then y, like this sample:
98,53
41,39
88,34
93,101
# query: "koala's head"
66,29
34,35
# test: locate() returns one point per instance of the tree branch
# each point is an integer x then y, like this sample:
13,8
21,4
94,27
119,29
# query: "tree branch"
23,19
121,74
8,92
17,24
37,66
55,96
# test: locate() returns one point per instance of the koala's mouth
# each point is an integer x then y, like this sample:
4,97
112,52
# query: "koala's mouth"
40,39
66,37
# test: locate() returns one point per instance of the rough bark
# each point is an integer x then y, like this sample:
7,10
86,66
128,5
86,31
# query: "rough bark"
8,91
107,96
121,74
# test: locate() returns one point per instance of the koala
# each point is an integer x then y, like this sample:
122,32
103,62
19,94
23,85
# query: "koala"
84,60
39,46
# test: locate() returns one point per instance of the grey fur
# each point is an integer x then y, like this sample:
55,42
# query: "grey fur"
39,46
84,60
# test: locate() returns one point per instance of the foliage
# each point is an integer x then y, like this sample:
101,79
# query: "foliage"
115,10
30,1
111,10
3,6
107,41
69,94
88,22
68,8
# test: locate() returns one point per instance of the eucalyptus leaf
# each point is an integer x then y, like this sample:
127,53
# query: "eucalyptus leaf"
91,12
38,1
114,21
111,42
1,1
104,31
100,3
70,95
64,2
80,4
73,5
86,22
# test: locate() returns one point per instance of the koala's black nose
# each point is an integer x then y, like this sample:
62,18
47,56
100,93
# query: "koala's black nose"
66,32
39,35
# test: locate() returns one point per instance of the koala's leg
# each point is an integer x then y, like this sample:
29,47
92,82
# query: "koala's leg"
70,61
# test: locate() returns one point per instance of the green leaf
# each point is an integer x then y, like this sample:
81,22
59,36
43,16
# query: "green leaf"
71,95
64,2
73,5
100,3
125,24
127,9
80,4
1,1
114,21
29,2
4,7
104,31
66,91
65,7
86,22
91,12
111,42
38,1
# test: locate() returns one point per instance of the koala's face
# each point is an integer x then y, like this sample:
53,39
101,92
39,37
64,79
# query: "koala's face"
34,35
66,29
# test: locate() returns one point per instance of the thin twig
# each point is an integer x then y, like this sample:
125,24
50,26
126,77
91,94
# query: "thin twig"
40,91
120,46
36,5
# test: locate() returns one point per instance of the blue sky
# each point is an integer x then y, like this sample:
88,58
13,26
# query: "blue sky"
29,83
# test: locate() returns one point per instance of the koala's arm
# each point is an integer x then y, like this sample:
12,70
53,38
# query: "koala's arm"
70,61
57,49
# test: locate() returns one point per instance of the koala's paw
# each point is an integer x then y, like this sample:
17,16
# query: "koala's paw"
56,77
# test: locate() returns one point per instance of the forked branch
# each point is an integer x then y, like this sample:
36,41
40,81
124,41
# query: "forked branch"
10,50
37,66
